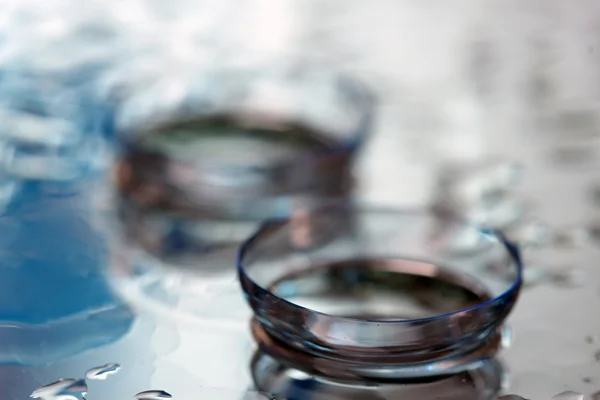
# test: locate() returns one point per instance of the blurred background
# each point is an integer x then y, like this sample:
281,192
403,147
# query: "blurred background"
485,109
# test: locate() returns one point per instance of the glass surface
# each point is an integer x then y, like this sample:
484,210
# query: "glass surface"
434,64
556,337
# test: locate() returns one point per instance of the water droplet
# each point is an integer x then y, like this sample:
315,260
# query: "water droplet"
575,237
532,234
258,396
595,193
102,372
572,153
507,337
63,389
587,379
568,395
466,241
591,339
481,192
592,234
511,397
482,182
534,274
568,278
153,395
502,215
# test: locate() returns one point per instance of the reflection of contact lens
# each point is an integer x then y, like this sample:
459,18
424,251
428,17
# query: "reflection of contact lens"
283,381
385,298
381,368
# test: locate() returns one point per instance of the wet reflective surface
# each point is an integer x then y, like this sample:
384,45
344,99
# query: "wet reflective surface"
553,351
68,325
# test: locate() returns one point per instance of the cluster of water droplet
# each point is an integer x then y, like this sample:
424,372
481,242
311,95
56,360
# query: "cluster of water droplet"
566,395
486,193
77,389
63,389
482,192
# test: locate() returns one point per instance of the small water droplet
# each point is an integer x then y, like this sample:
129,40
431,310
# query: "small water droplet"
534,274
63,389
102,372
507,337
587,379
258,396
502,215
153,395
591,339
568,395
505,379
592,234
481,182
568,278
480,191
532,234
467,241
575,237
595,193
511,397
572,153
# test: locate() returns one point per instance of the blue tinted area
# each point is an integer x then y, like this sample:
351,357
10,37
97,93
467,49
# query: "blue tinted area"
52,282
